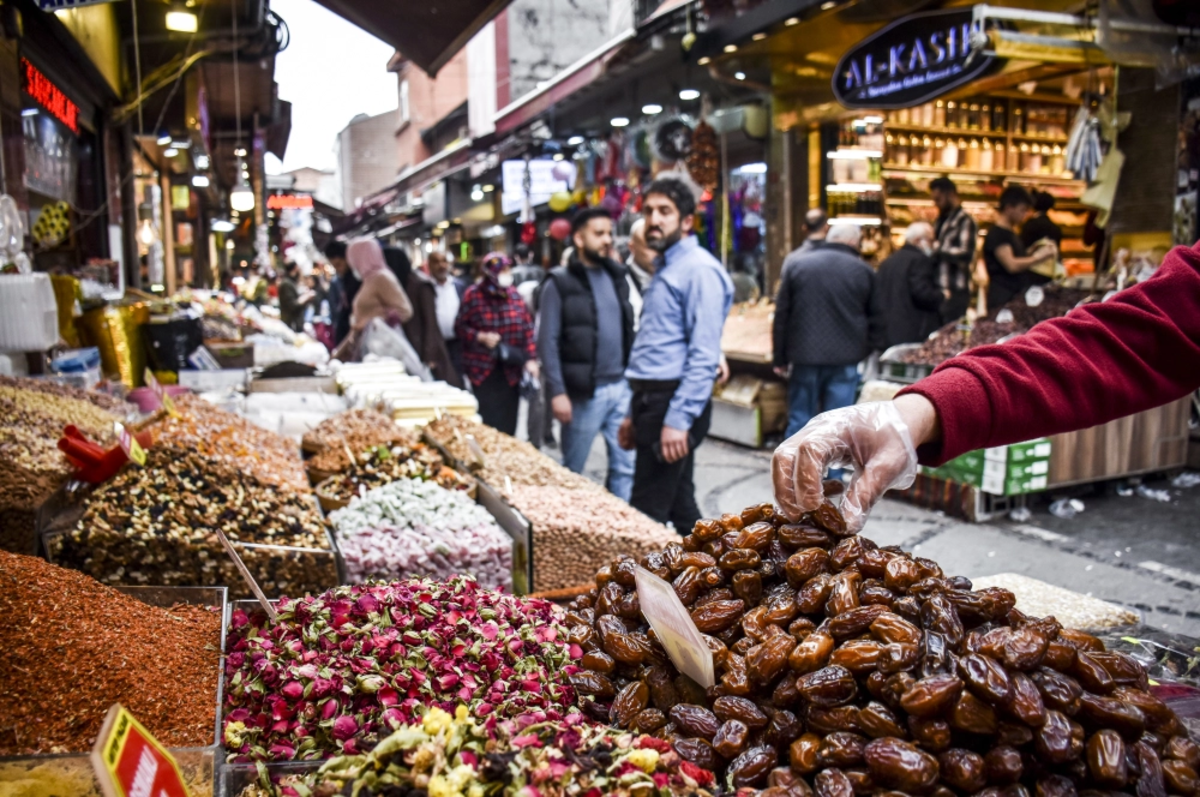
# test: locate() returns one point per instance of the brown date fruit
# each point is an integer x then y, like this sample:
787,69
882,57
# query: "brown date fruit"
610,595
1025,701
928,568
972,715
900,573
713,577
714,617
662,688
801,627
623,572
806,564
876,595
935,655
706,530
1108,712
797,536
908,607
846,552
898,656
1179,777
1185,750
784,728
747,585
877,721
1003,766
754,623
962,770
859,656
932,734
804,754
901,765
731,739
736,680
1025,648
752,766
1055,786
860,781
842,749
630,607
1106,759
1013,734
768,659
598,661
982,606
1059,656
743,645
699,752
719,594
1055,741
1080,640
593,684
756,536
626,649
581,634
786,693
649,720
812,654
629,702
1150,782
730,522
892,628
781,776
832,720
1157,713
1091,675
1124,669
1059,691
781,606
939,615
873,563
695,720
932,695
740,709
687,585
739,559
854,622
691,543
828,687
832,783
985,677
844,595
829,518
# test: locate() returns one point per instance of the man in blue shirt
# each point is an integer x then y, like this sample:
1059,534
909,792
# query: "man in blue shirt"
675,358
585,332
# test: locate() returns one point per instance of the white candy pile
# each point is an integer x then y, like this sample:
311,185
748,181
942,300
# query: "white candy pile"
416,528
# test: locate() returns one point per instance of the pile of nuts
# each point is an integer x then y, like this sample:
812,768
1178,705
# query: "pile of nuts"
103,401
332,439
381,465
232,440
505,458
574,535
157,525
848,669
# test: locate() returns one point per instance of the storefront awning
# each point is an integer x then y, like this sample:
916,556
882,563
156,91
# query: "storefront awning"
428,34
445,163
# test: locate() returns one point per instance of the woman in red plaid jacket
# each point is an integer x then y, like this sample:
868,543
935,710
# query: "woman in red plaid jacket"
496,331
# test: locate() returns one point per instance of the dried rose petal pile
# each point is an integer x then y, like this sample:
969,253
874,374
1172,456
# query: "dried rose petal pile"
342,670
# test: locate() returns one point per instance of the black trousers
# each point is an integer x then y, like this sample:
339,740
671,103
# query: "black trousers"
499,401
664,491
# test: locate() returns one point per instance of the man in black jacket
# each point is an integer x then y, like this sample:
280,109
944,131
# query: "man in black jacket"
585,332
827,320
908,288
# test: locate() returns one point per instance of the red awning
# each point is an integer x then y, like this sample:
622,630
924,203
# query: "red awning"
428,34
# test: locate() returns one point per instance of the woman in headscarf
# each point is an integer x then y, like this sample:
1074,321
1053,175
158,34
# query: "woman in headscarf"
496,330
381,295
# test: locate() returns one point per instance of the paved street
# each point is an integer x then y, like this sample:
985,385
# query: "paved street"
1131,551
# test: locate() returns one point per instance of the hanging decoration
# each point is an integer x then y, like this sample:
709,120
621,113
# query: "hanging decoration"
560,201
704,163
560,229
528,233
673,140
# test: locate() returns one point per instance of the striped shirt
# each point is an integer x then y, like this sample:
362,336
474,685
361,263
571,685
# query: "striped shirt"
956,234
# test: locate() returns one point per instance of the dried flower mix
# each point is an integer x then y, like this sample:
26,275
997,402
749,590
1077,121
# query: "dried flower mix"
458,756
342,670
73,648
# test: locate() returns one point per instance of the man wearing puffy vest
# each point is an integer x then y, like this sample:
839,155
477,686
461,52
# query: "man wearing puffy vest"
585,333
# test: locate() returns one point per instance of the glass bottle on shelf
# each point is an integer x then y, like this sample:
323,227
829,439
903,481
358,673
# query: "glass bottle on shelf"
951,154
974,154
973,116
889,147
1019,120
939,114
985,117
987,156
900,153
1000,157
1057,161
951,114
926,151
939,151
1047,155
964,115
999,117
1025,160
926,115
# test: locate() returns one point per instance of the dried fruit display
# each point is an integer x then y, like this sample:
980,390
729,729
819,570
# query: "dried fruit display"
355,430
157,525
73,647
574,535
849,669
382,465
340,671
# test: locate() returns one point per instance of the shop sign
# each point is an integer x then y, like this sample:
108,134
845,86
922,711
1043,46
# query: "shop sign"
545,178
129,762
59,5
286,202
910,61
50,96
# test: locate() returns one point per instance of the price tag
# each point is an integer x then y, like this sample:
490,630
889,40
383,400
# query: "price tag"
129,444
129,762
673,626
161,392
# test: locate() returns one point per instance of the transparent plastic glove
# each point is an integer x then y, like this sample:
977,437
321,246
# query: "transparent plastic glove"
872,437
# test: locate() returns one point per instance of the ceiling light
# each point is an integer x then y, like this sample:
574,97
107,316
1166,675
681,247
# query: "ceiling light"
758,37
240,152
489,188
619,121
705,61
223,225
731,48
199,181
182,144
170,152
828,5
202,162
163,139
29,112
740,75
791,21
574,141
651,108
241,198
559,156
752,168
873,120
229,246
181,20
687,95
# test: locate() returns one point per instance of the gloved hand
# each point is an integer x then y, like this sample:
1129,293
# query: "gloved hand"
872,437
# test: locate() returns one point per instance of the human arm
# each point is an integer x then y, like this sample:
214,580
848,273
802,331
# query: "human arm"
549,330
779,325
466,324
923,285
392,295
1015,265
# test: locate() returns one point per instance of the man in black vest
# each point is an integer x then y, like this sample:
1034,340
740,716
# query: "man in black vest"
585,332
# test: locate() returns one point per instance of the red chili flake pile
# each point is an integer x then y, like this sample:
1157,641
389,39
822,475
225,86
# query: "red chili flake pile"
73,647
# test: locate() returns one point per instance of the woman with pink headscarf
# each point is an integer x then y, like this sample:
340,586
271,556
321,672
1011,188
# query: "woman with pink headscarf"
380,295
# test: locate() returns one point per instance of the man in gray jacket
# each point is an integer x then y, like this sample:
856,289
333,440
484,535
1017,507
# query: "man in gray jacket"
827,320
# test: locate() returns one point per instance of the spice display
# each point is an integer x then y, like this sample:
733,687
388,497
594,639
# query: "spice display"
504,458
416,528
73,648
866,669
340,671
382,465
574,536
453,756
232,440
157,525
356,430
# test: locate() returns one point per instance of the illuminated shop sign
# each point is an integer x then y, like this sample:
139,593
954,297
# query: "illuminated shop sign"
49,96
911,61
284,202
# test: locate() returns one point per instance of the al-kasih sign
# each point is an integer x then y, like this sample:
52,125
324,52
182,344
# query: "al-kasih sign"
910,61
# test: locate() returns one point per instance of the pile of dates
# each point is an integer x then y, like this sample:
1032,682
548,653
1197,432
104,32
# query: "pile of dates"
844,668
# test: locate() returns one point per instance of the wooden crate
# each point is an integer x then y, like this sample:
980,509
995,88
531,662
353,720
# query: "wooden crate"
1149,441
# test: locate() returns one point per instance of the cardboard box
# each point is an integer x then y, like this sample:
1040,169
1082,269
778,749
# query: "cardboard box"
1023,470
1020,452
1000,485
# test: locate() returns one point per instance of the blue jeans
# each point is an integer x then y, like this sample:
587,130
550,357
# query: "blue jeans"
814,389
602,413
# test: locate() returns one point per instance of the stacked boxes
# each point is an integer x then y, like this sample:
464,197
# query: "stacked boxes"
1005,470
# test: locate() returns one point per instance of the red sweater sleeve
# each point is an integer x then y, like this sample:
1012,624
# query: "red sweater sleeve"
1139,350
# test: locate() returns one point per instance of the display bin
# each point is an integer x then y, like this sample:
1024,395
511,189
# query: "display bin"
236,778
71,774
893,370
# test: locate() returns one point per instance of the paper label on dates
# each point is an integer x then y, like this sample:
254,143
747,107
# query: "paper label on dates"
674,627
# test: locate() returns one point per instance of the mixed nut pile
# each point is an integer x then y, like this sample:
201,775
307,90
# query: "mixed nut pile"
332,442
382,465
845,668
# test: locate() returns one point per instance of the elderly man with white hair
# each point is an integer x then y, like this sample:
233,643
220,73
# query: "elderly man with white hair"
909,293
827,320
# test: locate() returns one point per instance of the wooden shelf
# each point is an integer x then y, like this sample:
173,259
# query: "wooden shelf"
949,131
890,167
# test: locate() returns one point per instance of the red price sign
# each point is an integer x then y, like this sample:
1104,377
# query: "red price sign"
129,762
